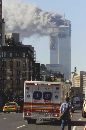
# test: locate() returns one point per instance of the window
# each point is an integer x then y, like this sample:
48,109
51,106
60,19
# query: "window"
24,64
11,65
56,96
37,95
18,72
24,74
18,63
0,55
57,88
18,82
0,33
4,54
23,54
4,63
47,95
11,54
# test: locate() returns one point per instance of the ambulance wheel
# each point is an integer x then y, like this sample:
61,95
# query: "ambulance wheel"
31,121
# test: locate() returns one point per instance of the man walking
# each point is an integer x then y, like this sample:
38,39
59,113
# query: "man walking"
66,115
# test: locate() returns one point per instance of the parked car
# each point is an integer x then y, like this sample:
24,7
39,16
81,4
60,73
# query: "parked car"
76,103
20,102
84,109
11,107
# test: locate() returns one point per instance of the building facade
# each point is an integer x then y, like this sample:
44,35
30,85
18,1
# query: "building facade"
60,48
79,84
83,82
17,64
0,22
76,81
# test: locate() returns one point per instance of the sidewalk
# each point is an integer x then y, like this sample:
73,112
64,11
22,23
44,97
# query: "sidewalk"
78,128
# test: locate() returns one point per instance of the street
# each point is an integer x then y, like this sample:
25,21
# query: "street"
15,121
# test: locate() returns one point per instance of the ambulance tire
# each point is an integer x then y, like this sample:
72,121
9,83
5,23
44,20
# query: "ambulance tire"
54,121
31,121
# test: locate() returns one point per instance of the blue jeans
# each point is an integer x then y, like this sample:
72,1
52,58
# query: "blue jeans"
65,122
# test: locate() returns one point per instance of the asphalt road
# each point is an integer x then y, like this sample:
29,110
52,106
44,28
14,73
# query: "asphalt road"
15,121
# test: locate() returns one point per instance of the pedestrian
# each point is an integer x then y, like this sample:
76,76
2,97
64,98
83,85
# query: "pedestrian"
65,110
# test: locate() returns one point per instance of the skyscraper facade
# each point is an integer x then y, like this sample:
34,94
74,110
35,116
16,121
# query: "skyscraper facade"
0,22
60,49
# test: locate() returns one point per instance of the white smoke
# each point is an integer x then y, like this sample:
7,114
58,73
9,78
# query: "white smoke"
28,19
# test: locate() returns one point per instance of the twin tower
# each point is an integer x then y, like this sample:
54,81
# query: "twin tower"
60,50
60,46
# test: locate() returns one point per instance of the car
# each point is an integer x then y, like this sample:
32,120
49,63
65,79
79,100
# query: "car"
11,107
20,102
84,109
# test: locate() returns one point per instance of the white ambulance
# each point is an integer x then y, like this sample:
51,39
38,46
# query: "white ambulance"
42,100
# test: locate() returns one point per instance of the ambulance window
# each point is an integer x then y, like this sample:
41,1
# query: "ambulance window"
27,88
47,95
37,95
56,96
57,88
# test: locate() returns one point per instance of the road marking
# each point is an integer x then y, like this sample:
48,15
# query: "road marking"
20,126
4,118
74,128
79,119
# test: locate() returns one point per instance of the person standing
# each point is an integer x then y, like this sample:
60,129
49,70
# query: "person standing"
65,110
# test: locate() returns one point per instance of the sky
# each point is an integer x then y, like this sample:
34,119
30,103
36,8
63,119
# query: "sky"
73,10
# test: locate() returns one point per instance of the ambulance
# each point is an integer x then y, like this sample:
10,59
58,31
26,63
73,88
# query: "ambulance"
42,100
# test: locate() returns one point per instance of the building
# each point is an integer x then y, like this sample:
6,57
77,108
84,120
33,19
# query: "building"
55,67
37,72
47,74
17,64
76,81
0,22
60,48
76,89
15,36
83,82
79,84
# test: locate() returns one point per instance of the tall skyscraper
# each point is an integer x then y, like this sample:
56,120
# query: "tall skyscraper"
60,49
0,22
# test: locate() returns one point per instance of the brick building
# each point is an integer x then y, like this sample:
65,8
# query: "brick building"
17,64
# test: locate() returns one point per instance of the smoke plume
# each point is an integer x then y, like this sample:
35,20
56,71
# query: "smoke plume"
28,19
